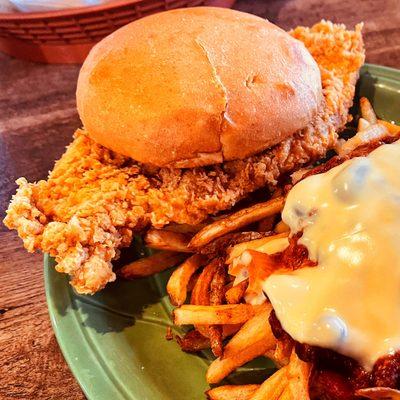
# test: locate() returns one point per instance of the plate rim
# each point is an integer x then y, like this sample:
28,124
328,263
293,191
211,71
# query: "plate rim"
69,350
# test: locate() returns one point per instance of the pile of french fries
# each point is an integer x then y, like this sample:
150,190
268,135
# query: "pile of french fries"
219,292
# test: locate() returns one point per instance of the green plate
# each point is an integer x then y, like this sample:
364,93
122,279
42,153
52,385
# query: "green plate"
114,342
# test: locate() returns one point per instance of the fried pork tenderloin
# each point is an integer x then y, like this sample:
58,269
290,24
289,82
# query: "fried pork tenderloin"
95,199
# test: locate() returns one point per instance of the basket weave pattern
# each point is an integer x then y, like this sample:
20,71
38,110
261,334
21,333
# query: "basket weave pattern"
85,27
68,35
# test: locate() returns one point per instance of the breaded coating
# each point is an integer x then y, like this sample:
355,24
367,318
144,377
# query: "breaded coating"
94,200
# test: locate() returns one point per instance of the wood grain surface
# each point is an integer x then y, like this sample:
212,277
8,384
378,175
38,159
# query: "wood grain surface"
37,119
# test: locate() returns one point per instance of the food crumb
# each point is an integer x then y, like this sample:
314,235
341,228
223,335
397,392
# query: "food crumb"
169,335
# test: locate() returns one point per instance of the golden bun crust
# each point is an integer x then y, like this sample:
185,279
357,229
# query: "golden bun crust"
197,86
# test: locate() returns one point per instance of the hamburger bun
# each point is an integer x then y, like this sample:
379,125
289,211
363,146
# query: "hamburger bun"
197,86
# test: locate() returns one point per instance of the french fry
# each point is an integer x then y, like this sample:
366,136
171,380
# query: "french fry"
221,245
362,124
369,129
214,315
273,387
193,341
215,336
192,281
288,383
229,330
281,227
368,135
266,224
379,393
151,265
235,294
255,266
184,228
200,293
217,333
367,111
177,286
280,355
393,129
254,330
253,340
235,221
217,286
216,298
222,367
298,378
232,392
167,240
237,250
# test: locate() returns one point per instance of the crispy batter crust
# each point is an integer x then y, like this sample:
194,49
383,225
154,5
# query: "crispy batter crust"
95,199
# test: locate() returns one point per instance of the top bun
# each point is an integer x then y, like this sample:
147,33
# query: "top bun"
197,86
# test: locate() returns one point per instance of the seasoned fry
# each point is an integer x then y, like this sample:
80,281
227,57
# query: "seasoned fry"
369,129
298,377
379,393
184,228
253,340
258,328
162,239
193,342
238,249
393,129
200,293
367,111
266,224
368,135
288,383
177,286
254,266
216,298
237,220
362,124
192,281
151,265
281,227
215,336
235,294
232,392
273,387
280,355
220,246
217,287
222,367
229,330
214,315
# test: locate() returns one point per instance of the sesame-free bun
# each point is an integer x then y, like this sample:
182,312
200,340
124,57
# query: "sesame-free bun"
197,86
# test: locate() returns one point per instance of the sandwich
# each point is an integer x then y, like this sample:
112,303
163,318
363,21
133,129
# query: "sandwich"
185,113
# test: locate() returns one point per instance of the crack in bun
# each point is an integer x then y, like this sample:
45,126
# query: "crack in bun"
197,86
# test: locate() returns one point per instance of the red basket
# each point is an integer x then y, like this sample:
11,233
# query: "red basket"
66,36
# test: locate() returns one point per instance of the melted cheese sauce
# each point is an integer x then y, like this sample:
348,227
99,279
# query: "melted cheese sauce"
350,218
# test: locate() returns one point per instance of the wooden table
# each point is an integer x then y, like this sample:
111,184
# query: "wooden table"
37,118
